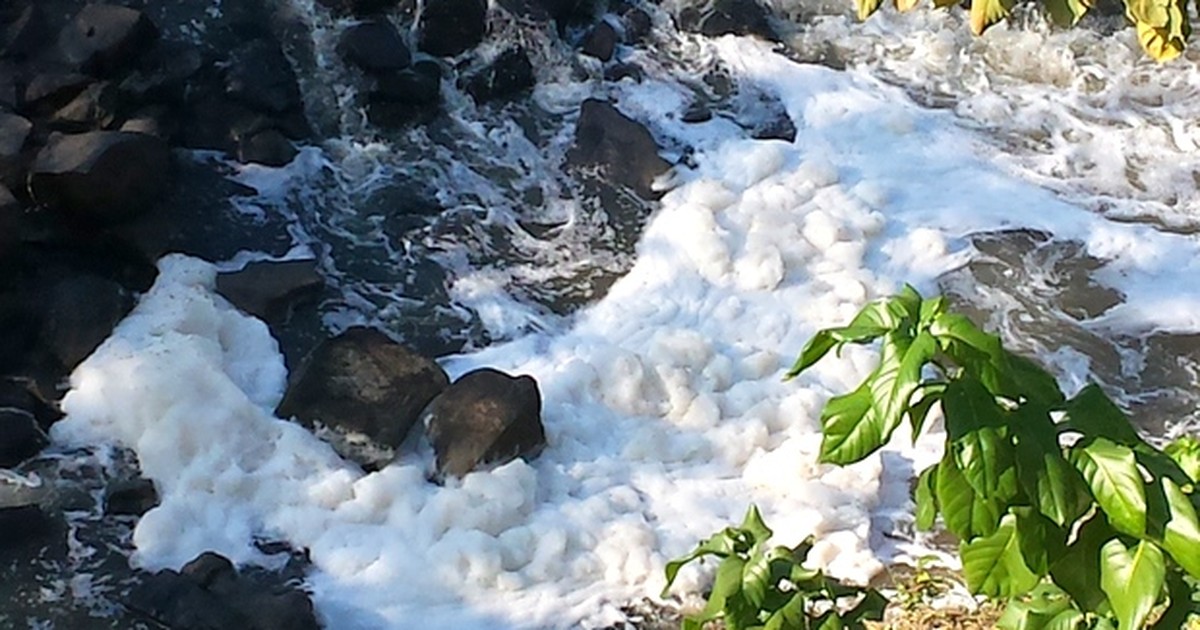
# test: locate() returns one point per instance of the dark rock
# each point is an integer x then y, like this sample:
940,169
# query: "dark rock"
620,146
162,74
103,38
154,121
20,394
451,27
209,594
697,112
93,108
269,147
14,132
130,497
20,436
738,17
485,417
80,313
22,523
365,388
218,123
261,76
620,71
24,35
409,96
105,176
637,25
270,289
19,328
600,42
777,128
10,222
375,46
508,75
8,87
561,11
359,7
48,91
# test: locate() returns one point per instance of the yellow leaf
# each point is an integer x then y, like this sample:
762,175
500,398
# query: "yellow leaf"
1159,42
905,5
867,7
985,13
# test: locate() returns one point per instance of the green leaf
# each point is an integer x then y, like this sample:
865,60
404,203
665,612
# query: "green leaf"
898,376
1066,13
985,13
1038,536
1186,452
753,525
727,588
926,499
1181,604
1111,472
850,429
870,608
1037,611
965,513
1044,474
866,8
1069,619
1076,569
813,351
929,394
791,616
982,356
1093,414
891,314
1181,536
1132,579
994,565
978,439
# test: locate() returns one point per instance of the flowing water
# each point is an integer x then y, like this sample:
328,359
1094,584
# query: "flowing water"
1045,179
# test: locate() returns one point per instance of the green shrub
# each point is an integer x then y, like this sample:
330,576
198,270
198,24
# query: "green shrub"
1059,505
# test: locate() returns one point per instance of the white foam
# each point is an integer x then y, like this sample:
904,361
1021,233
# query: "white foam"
664,409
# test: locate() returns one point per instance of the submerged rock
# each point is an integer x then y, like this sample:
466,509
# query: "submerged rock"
209,593
130,497
485,417
269,289
366,390
619,145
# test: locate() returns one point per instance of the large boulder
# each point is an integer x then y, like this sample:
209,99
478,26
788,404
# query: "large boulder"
600,42
618,145
270,289
509,74
14,131
359,7
412,95
71,333
104,37
363,392
20,436
10,221
451,27
102,176
374,46
25,34
209,593
485,417
261,76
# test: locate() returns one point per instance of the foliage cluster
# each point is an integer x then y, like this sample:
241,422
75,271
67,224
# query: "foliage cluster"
1059,505
758,587
1162,26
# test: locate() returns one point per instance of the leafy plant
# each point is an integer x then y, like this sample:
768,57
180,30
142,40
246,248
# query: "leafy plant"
1059,505
1163,27
768,588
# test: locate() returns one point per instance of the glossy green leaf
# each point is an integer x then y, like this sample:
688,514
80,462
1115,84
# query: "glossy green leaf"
994,565
1039,537
754,527
1133,579
965,513
1058,490
850,429
978,438
927,395
1036,611
1069,619
899,373
1076,568
866,8
892,314
1181,537
985,13
1093,414
1111,472
1180,606
926,499
1066,13
1186,453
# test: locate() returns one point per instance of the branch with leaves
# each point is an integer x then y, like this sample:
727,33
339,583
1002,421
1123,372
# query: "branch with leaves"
1163,26
1059,505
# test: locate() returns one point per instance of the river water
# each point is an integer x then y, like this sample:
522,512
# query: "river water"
1046,180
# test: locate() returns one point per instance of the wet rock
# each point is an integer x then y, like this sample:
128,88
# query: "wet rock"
410,96
508,75
154,121
452,27
485,417
130,497
777,128
103,176
637,25
209,593
620,146
723,17
21,524
20,436
219,123
600,42
8,87
93,108
261,76
375,46
10,222
162,74
561,11
49,91
103,37
359,7
25,35
20,394
14,132
270,289
80,313
268,147
619,71
18,331
366,389
697,112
